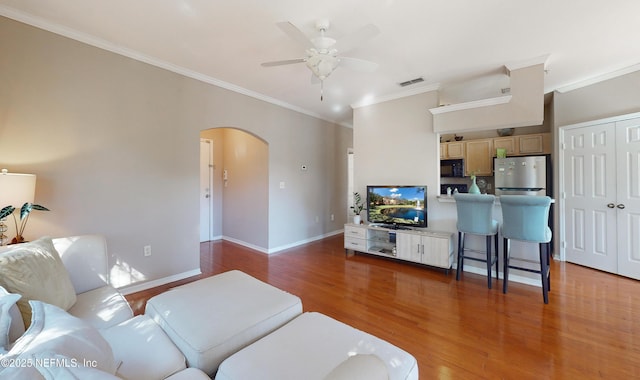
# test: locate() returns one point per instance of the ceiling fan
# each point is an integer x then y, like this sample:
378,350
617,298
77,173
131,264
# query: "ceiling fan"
321,51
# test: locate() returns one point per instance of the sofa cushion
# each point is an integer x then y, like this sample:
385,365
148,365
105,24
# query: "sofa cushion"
10,319
35,271
310,347
360,367
144,350
189,374
214,317
102,307
53,331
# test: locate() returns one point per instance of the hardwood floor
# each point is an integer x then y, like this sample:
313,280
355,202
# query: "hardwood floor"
456,330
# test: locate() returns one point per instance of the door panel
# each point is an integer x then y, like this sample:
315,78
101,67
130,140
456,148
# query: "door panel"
590,167
206,214
628,196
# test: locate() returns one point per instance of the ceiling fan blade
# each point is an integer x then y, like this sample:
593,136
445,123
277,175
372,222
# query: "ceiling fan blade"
295,33
358,64
357,38
284,62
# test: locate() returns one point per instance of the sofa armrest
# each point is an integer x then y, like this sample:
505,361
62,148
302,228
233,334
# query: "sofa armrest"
85,258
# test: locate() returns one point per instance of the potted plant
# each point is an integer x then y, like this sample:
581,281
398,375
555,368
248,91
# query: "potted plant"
357,207
25,210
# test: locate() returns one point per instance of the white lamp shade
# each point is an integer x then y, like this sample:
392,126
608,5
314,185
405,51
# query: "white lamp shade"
17,189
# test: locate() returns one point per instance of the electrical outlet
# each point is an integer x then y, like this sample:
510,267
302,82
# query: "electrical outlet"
147,250
332,218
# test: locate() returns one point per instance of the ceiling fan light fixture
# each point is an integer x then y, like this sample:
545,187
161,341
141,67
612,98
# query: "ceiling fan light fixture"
322,65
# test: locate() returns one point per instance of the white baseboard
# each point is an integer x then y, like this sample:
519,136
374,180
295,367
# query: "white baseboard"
305,241
269,251
161,281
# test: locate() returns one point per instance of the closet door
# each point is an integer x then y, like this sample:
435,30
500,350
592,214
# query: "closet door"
628,197
590,191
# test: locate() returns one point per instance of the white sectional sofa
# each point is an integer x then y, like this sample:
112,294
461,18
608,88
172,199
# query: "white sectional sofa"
229,326
81,327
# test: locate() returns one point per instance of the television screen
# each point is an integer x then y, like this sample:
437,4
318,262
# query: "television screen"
397,205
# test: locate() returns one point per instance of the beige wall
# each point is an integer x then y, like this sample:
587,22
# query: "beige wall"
115,144
394,144
618,96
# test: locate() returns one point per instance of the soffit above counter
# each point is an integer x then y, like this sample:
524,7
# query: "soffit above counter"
524,106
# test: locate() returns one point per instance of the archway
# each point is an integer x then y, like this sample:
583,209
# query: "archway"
239,187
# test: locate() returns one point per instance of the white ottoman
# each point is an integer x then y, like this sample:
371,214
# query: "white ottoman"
311,347
210,319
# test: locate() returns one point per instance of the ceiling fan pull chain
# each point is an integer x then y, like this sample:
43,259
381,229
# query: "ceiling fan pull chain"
321,90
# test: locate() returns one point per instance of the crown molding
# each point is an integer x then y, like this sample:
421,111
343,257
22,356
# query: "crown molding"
598,78
470,105
397,95
527,63
129,53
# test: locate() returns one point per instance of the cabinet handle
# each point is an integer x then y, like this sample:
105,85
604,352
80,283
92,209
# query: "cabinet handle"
417,248
620,206
611,205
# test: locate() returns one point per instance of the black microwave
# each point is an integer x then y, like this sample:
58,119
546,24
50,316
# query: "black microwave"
452,168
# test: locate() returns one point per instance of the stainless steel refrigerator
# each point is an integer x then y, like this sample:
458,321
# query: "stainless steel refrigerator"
522,175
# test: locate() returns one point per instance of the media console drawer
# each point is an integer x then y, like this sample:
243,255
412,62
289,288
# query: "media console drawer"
355,244
354,231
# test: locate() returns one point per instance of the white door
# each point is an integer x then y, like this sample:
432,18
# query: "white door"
628,197
590,189
206,178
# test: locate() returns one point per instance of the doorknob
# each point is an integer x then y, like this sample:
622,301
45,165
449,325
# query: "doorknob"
620,206
611,205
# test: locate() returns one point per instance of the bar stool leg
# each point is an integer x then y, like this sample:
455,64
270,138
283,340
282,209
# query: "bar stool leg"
460,254
505,259
544,273
489,261
548,266
495,237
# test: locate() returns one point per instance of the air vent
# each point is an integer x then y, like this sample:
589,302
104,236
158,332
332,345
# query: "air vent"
411,81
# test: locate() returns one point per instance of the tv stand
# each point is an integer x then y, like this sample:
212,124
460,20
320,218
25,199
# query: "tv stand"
424,246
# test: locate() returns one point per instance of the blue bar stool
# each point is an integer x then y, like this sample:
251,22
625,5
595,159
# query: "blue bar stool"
475,216
526,218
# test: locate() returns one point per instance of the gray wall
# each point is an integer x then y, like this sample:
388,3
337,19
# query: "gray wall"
115,144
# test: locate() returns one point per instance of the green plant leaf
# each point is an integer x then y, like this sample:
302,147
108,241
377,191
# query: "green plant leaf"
25,210
6,211
40,208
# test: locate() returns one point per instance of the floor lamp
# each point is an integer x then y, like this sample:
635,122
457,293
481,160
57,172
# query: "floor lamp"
15,190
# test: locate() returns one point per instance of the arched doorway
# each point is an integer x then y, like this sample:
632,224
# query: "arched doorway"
236,195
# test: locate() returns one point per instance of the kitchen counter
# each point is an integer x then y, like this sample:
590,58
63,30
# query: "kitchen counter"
443,216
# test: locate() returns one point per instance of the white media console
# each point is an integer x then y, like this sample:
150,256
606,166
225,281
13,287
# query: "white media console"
419,245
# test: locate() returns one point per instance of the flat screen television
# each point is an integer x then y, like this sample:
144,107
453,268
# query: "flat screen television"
397,206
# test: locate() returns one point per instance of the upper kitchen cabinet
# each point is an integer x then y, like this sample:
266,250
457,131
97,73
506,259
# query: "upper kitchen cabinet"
479,157
454,149
537,143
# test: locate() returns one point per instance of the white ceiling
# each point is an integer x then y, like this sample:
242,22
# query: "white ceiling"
460,45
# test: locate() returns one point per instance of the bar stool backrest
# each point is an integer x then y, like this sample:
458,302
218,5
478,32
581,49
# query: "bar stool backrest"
526,218
475,213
